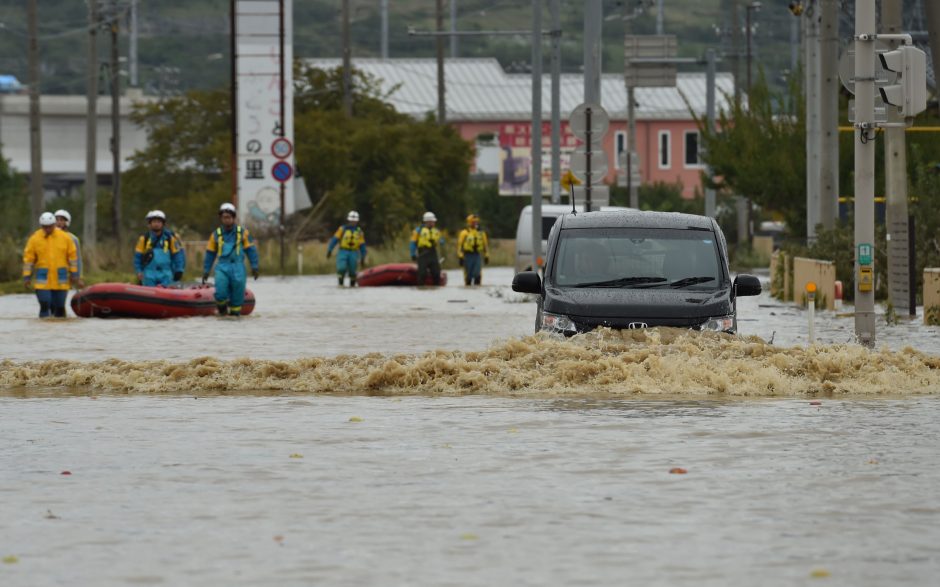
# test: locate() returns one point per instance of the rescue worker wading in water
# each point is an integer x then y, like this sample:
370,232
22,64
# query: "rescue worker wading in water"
352,248
50,263
424,242
230,244
159,258
473,251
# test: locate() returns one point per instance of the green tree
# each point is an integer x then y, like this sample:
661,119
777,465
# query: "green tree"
186,168
386,165
759,153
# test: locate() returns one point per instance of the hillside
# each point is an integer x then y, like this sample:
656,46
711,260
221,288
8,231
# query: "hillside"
184,43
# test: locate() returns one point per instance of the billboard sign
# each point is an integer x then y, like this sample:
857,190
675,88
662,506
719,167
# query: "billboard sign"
263,130
515,158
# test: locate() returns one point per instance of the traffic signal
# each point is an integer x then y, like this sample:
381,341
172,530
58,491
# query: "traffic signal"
909,95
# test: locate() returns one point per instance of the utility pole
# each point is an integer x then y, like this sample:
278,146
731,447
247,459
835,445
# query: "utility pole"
813,128
794,45
633,190
347,62
900,287
453,29
864,169
749,31
384,47
536,134
115,125
932,14
37,201
90,218
736,49
554,8
593,19
132,46
829,113
441,88
660,15
711,59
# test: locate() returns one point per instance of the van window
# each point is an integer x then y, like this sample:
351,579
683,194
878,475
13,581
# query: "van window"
666,256
547,223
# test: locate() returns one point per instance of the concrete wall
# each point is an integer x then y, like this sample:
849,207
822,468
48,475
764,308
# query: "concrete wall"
932,296
822,273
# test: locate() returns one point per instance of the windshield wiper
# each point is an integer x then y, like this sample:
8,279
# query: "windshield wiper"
690,281
622,281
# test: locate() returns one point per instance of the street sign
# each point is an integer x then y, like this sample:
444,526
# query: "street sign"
282,171
282,148
641,69
864,254
881,112
579,160
600,122
883,77
568,180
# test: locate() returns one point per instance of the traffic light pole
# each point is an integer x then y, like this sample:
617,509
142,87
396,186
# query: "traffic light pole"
864,171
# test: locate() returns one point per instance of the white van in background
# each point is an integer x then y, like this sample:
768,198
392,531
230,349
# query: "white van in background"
550,213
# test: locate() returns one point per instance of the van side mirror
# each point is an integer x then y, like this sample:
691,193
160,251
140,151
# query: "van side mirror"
747,285
527,282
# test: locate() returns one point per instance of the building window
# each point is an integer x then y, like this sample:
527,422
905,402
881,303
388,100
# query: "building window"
692,153
665,156
620,147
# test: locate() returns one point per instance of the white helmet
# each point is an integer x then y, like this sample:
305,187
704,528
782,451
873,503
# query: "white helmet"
228,207
156,214
64,214
429,217
353,216
47,219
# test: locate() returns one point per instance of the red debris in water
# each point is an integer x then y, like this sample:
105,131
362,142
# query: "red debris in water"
815,403
66,473
678,471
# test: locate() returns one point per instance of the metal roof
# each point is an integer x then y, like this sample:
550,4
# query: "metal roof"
480,90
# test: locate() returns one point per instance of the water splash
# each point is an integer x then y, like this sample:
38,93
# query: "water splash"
606,363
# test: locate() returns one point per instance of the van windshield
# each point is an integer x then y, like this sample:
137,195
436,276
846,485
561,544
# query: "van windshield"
638,258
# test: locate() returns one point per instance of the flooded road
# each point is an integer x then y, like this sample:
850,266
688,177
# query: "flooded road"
522,460
468,491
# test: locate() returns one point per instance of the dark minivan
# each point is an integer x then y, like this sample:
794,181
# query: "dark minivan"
632,269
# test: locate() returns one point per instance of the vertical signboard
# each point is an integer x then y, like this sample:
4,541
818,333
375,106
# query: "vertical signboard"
515,159
265,112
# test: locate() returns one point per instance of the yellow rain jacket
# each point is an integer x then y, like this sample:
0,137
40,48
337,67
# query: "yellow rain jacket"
472,240
50,260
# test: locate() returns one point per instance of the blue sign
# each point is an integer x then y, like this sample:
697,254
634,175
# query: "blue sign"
282,171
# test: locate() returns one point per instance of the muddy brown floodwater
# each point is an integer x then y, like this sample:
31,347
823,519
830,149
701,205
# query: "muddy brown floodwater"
424,437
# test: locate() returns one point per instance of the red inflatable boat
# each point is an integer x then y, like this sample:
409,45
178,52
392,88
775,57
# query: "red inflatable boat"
394,274
121,300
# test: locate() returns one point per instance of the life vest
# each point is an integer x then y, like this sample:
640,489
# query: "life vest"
220,241
351,239
473,241
428,237
165,237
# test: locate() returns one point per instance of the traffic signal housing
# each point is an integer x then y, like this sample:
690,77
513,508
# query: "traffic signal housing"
909,95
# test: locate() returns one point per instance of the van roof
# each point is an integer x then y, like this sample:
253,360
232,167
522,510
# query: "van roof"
559,209
636,219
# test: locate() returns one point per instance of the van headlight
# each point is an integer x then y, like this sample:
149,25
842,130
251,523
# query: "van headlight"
557,323
719,324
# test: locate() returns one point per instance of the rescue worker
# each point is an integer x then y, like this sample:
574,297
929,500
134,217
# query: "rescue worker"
230,244
352,248
473,251
159,258
50,264
62,221
424,242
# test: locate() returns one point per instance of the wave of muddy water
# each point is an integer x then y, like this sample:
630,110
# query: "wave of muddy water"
604,363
